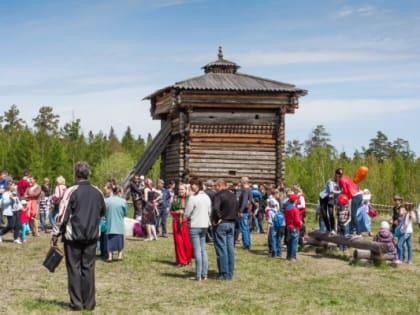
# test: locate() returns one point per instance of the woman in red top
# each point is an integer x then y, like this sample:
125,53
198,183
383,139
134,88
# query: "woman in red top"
183,246
352,191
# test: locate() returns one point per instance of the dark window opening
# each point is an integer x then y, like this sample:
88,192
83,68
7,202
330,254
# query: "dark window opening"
232,173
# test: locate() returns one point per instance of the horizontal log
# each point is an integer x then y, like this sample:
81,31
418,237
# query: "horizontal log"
315,242
200,135
237,146
234,140
230,148
231,95
228,157
251,151
254,178
367,254
249,170
254,119
226,165
172,163
228,117
360,243
234,105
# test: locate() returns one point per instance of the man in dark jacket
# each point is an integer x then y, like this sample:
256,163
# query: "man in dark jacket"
136,191
223,217
78,222
211,193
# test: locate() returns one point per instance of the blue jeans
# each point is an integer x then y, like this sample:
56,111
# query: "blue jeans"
163,218
292,243
244,227
52,215
257,224
43,221
276,234
343,230
405,238
356,201
198,240
322,226
225,250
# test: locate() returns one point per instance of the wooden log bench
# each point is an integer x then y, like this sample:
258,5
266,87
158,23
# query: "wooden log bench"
376,248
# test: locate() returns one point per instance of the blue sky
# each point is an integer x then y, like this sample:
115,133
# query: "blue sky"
96,60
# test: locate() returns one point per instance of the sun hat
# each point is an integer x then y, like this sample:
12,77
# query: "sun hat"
384,225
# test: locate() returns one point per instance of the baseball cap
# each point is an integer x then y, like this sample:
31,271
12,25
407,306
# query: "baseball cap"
293,197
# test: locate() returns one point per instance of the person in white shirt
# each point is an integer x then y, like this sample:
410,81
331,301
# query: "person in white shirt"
197,211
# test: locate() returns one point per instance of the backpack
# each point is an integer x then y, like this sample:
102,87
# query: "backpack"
278,219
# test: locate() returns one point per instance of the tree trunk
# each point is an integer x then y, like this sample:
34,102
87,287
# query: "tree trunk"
376,248
314,242
367,254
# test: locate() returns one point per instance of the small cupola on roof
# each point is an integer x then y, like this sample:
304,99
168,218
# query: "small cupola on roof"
221,65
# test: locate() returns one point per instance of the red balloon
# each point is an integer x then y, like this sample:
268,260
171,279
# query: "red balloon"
360,174
343,199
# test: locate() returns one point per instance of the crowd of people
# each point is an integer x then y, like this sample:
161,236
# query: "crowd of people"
216,212
345,209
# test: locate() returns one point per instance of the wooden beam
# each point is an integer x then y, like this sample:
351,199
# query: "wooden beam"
360,243
233,140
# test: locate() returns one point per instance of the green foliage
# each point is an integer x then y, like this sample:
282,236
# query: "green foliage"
392,167
116,166
47,151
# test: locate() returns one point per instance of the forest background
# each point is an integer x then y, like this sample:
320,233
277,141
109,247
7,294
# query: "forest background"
48,150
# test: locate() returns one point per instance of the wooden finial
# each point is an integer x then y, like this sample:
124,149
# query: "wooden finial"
220,54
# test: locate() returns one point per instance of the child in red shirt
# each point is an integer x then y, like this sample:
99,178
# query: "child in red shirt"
293,225
24,220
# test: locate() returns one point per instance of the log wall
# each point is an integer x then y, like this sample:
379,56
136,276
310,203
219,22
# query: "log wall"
233,144
225,135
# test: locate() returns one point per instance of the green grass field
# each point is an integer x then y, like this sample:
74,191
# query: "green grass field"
148,282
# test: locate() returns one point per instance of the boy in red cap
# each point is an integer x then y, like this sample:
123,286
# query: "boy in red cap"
293,225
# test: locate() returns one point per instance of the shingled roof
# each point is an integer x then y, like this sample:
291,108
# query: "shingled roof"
222,75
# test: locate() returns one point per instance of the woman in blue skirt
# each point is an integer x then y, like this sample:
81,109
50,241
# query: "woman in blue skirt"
116,210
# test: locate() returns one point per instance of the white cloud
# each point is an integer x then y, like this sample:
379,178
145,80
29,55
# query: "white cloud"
363,11
97,111
321,56
336,111
351,123
170,3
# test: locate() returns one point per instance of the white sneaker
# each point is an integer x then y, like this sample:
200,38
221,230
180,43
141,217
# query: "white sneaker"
17,241
1,239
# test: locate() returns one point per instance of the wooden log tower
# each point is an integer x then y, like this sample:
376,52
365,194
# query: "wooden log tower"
223,124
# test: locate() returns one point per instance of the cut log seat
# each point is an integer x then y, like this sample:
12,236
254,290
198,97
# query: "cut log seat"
376,248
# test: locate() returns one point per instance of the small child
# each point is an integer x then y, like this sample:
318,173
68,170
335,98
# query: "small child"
277,225
406,228
294,225
24,221
44,205
343,221
384,235
276,205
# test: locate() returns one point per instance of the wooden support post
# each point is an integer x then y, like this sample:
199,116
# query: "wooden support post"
280,147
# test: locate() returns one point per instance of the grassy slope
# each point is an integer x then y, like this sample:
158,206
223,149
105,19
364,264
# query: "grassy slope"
147,282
